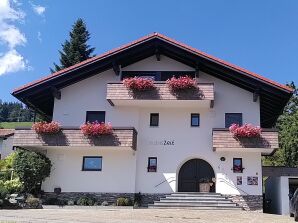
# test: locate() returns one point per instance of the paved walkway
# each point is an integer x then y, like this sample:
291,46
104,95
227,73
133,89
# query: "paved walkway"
137,216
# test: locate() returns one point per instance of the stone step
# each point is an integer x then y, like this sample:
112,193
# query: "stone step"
197,207
195,198
194,201
195,195
194,204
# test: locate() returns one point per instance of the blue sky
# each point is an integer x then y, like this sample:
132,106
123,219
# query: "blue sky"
261,36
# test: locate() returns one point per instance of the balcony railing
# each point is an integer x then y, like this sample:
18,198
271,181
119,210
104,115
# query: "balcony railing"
118,94
223,140
73,137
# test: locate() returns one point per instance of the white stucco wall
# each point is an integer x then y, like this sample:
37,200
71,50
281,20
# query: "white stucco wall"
6,146
277,189
190,142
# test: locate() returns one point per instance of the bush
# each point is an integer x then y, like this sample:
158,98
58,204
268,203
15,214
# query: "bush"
71,202
3,192
104,203
32,168
32,202
86,201
137,200
13,186
51,201
121,201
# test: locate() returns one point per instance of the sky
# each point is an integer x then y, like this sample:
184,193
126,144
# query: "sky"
261,36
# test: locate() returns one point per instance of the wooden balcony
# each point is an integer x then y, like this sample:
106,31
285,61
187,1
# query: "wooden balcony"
119,95
73,137
223,141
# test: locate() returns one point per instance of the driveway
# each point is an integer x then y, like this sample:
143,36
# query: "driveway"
137,216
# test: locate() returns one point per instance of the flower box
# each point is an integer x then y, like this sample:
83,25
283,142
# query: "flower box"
96,129
181,83
46,127
138,83
245,131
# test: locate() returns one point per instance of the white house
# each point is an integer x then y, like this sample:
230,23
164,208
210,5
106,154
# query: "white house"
162,143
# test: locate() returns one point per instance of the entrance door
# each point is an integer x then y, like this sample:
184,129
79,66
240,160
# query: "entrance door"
191,173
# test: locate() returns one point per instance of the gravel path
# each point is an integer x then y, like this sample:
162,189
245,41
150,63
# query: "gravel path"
137,216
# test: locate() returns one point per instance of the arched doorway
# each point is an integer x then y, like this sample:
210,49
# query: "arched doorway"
192,172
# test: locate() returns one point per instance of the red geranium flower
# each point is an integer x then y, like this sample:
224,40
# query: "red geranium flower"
246,130
180,83
46,127
138,83
96,129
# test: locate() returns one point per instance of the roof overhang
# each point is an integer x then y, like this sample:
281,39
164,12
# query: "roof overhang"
273,96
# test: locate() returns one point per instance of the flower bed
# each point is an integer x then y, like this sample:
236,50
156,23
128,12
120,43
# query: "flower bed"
96,129
181,83
46,127
246,130
138,83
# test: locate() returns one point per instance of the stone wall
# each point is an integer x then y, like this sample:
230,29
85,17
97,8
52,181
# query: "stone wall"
248,202
101,197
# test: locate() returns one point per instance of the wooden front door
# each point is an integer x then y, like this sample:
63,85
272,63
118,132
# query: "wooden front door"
191,173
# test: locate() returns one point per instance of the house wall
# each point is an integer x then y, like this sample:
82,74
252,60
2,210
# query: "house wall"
6,146
189,142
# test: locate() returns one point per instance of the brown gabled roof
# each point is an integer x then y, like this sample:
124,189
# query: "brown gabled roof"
4,133
144,39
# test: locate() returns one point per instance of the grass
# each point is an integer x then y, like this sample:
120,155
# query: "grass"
13,125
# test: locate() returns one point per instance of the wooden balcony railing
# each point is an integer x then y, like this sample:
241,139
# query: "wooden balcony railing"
118,92
223,140
73,137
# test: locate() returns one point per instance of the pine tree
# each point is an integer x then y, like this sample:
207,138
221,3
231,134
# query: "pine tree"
76,49
287,125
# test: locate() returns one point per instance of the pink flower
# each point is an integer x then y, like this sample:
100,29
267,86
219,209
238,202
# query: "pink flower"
246,130
180,83
96,129
138,83
46,127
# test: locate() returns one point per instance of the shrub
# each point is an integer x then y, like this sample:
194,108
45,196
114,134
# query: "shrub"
121,201
137,200
85,201
246,130
181,83
71,202
51,201
138,83
46,127
32,202
13,186
96,129
104,203
3,192
32,168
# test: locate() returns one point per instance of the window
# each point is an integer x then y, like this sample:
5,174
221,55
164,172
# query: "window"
195,120
154,119
231,118
92,163
152,164
237,165
95,116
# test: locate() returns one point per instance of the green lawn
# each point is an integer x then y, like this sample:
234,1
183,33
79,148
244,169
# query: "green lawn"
12,125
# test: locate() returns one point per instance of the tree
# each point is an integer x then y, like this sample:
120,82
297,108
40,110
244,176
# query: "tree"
32,168
287,125
76,49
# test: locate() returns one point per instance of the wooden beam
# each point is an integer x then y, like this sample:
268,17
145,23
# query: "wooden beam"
256,95
157,54
197,71
56,93
211,103
116,68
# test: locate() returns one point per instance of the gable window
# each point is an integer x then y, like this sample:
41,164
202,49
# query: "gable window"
154,119
195,120
92,163
152,164
231,118
95,116
237,165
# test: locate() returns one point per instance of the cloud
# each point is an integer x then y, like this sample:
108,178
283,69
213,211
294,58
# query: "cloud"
38,9
39,36
11,37
12,61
